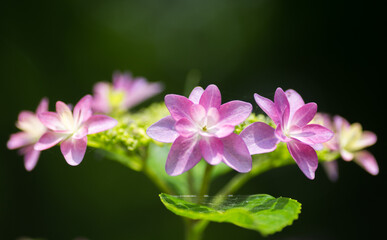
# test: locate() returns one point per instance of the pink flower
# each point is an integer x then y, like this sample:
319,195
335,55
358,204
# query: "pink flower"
291,117
124,93
72,128
351,142
31,130
200,127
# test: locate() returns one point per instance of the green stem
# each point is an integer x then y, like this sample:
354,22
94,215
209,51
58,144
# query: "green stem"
152,175
234,184
194,229
191,232
190,181
261,164
206,180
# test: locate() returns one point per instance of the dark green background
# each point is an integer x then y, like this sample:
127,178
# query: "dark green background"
331,52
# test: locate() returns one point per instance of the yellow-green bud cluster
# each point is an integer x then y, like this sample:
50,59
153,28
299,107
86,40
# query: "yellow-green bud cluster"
252,119
130,132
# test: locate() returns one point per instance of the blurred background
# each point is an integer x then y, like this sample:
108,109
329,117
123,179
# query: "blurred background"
331,52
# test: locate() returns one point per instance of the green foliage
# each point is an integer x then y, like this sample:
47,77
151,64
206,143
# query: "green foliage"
261,212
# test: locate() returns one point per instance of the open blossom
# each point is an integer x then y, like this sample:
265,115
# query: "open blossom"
291,117
31,130
124,93
201,127
352,140
349,141
72,128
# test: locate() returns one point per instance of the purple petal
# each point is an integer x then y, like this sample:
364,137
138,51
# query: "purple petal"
279,133
64,113
259,138
305,157
30,123
295,101
52,121
25,116
211,97
367,139
211,149
18,140
31,157
340,123
323,119
331,169
268,107
122,80
100,123
304,114
285,119
234,112
346,155
186,127
48,140
317,146
236,154
281,101
222,131
74,150
101,97
43,106
82,110
367,161
198,113
184,155
139,91
312,134
163,130
81,132
178,106
212,116
196,94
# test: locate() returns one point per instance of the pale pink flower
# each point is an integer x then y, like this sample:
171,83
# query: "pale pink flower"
352,140
71,129
31,130
124,93
201,127
291,117
349,141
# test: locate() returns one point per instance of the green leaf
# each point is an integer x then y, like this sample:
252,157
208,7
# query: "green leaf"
261,212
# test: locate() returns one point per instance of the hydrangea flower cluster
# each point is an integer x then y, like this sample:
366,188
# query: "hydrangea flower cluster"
199,126
226,136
